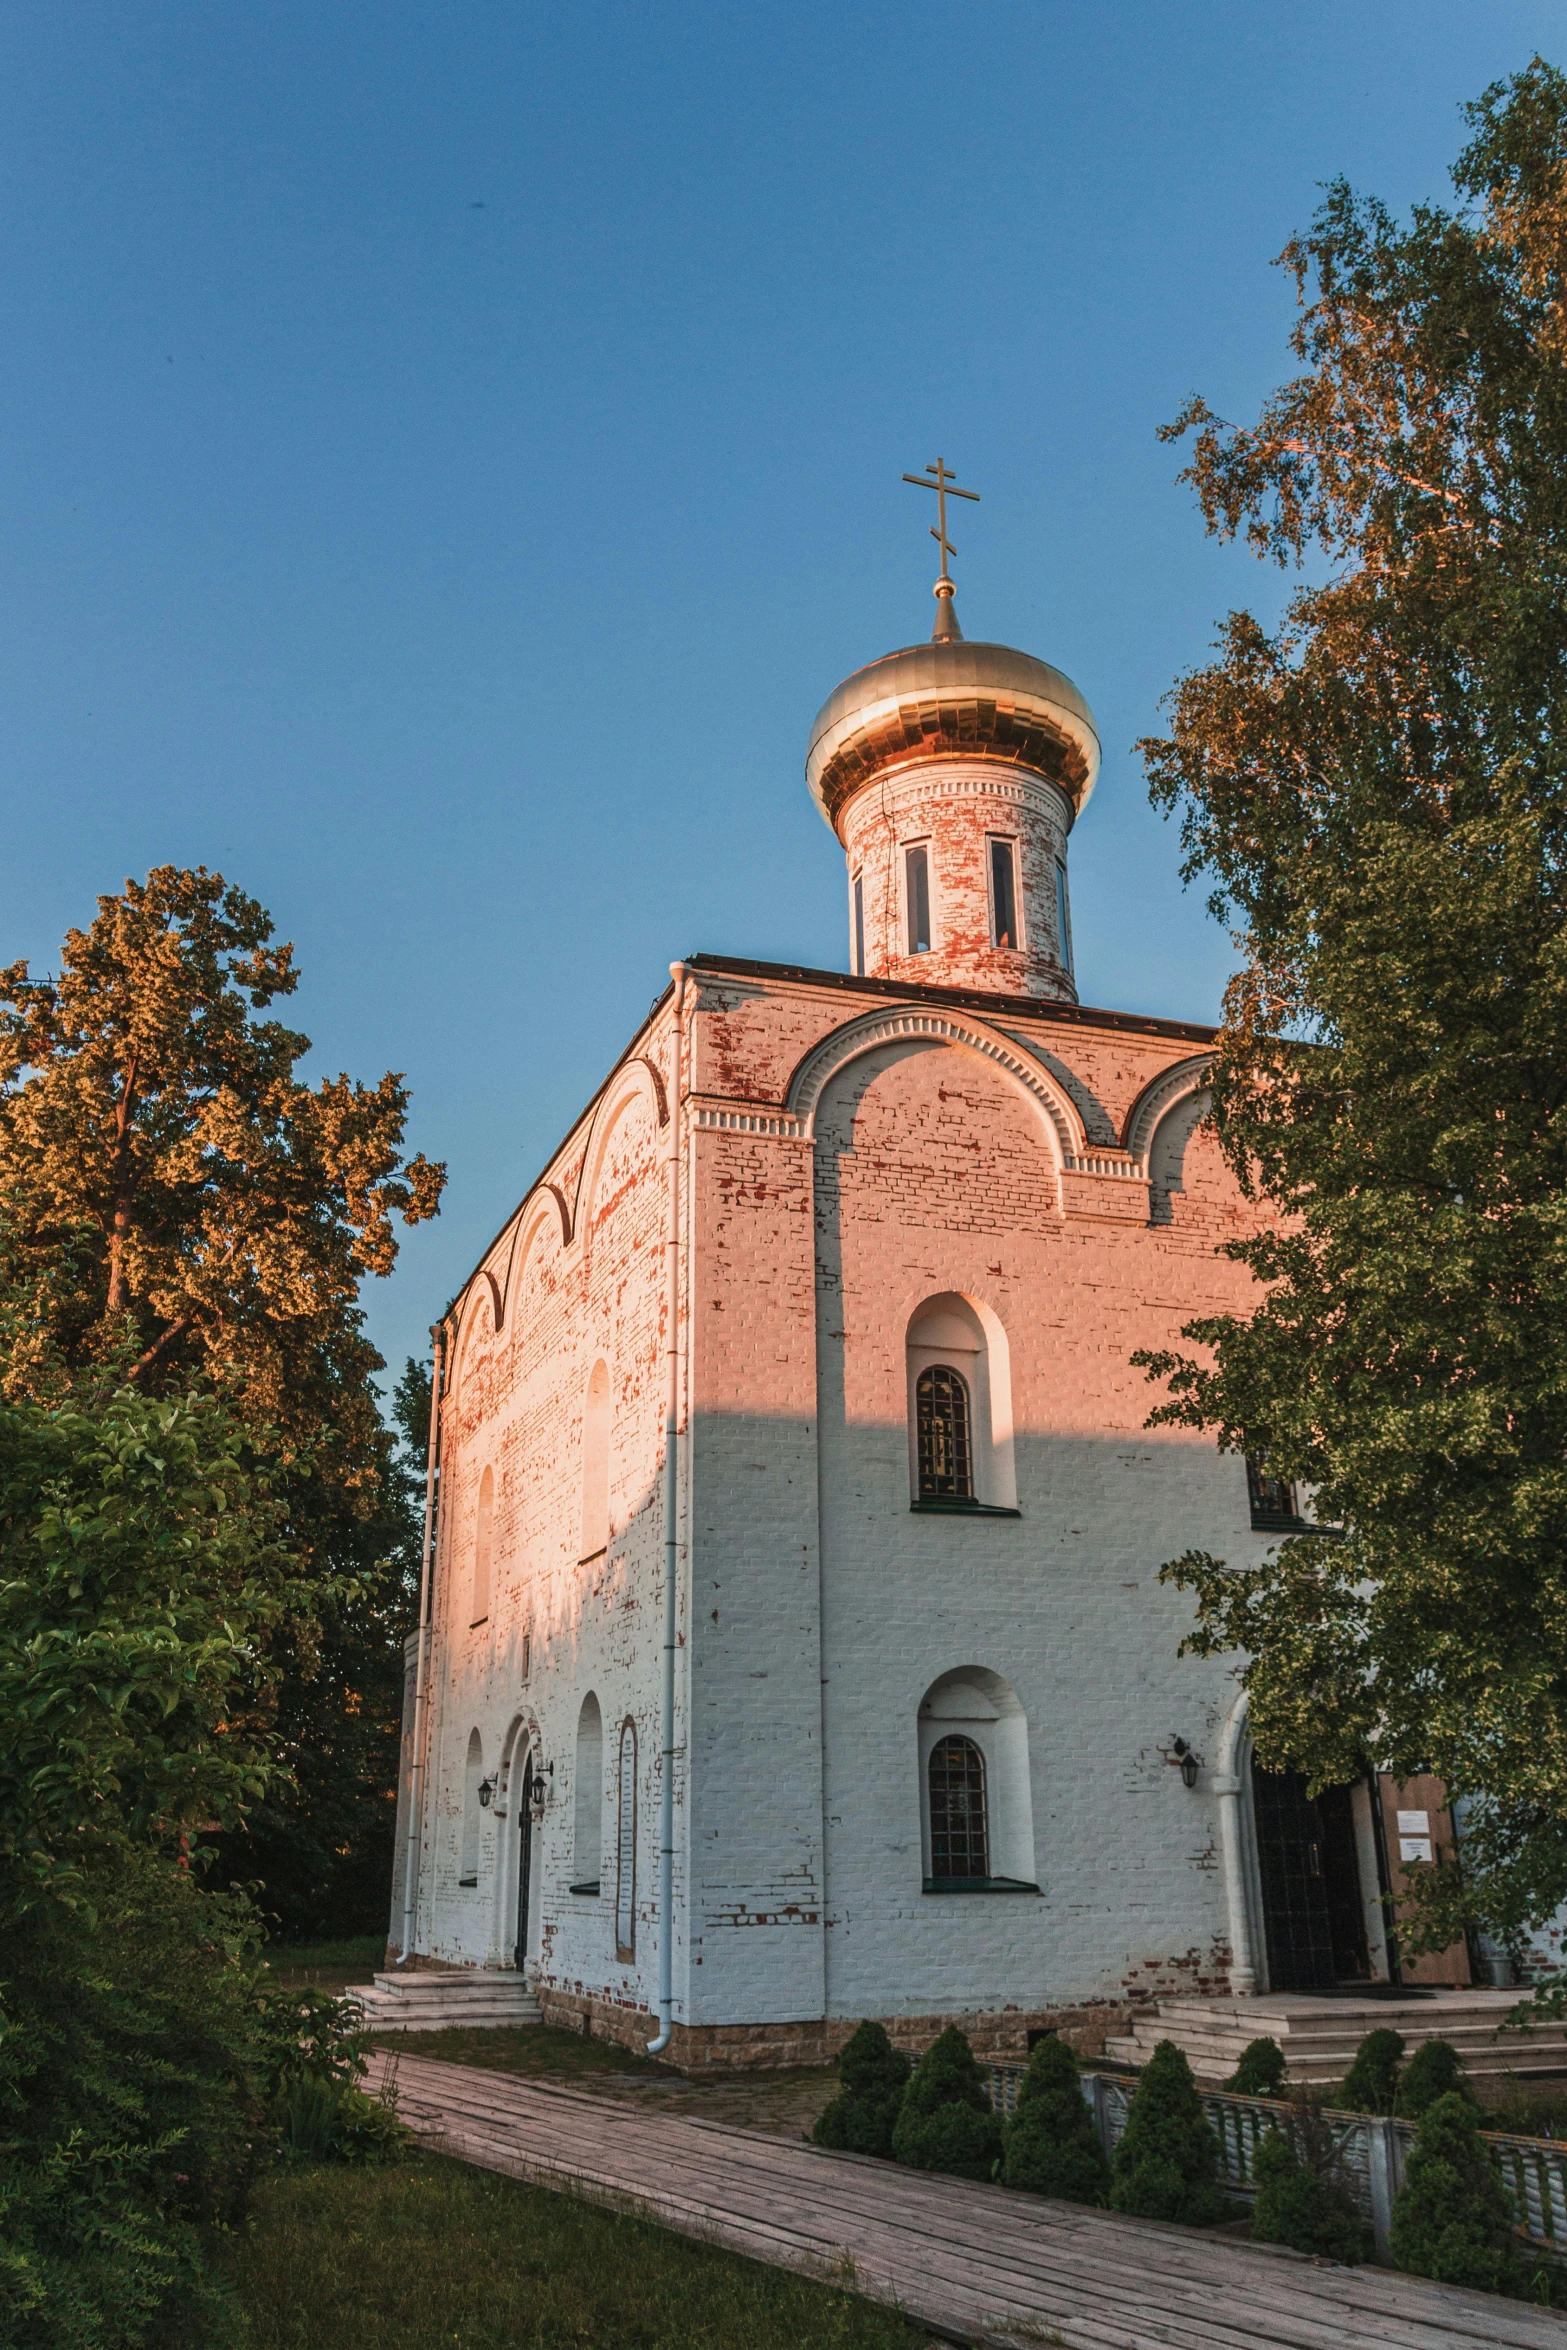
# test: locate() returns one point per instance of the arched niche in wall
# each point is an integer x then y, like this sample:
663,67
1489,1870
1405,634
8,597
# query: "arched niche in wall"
483,1545
973,1707
595,1462
962,1335
588,1799
473,1774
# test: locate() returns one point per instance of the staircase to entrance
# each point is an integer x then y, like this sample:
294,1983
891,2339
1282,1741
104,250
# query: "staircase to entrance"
434,2000
1320,2033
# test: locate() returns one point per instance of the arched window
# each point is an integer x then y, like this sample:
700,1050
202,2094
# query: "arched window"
483,1534
626,1847
588,1847
468,1874
959,1826
595,1463
942,1423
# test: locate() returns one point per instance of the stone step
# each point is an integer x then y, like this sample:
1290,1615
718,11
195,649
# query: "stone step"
475,1998
1319,2036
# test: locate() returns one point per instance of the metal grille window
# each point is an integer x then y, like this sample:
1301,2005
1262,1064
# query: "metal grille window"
1272,1499
959,1831
946,1456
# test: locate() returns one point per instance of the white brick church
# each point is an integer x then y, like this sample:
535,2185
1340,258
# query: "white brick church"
796,1650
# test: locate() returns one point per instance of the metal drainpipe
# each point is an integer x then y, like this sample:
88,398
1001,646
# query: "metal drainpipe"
666,1852
416,1768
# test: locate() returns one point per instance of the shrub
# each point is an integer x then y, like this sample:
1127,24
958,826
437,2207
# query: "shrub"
1166,2164
1260,2072
1050,2144
1372,2080
945,2122
1303,2207
873,2076
1433,2071
322,2120
1452,2220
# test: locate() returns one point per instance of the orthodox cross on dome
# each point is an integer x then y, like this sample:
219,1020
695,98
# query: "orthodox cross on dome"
936,477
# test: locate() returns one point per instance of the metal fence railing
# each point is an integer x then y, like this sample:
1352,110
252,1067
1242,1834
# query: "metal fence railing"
1368,2149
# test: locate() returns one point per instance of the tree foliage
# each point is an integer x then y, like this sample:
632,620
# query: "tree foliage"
178,1205
872,2077
945,2122
1167,2162
142,1575
1451,2217
1377,788
165,1169
1051,2144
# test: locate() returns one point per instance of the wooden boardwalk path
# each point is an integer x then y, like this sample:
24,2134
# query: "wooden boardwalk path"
974,2263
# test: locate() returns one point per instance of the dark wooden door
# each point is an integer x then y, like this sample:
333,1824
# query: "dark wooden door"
1297,1916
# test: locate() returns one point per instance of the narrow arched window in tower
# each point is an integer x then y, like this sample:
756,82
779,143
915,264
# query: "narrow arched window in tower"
916,871
1003,895
946,1454
626,1848
483,1536
859,925
1063,918
959,1829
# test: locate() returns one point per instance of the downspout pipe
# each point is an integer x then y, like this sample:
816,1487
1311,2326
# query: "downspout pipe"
666,1842
416,1767
1226,1785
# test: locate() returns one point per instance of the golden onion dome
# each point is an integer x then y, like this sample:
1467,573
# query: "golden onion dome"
951,699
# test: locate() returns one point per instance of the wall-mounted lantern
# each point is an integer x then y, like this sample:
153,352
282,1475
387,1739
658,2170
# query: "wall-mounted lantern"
486,1793
1187,1760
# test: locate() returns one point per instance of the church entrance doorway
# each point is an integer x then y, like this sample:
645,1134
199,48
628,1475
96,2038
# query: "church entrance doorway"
1313,1896
524,1858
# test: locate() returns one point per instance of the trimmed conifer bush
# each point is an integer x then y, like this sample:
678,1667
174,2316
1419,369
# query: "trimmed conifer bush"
1050,2144
1372,2080
1260,2072
1433,2071
873,2076
1452,2220
1301,2207
945,2122
1166,2166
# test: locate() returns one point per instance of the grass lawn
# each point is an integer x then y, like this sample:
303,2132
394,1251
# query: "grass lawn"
430,2255
331,1966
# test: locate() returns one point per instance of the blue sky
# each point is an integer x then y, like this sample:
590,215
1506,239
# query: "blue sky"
447,453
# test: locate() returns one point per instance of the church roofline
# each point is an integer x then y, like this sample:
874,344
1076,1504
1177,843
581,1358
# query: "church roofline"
972,999
998,1004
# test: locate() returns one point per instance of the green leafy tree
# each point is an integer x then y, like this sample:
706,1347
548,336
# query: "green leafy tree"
1262,2071
1451,2218
1377,790
1050,2145
176,1201
945,2122
143,1576
1371,2084
874,2076
1166,2165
